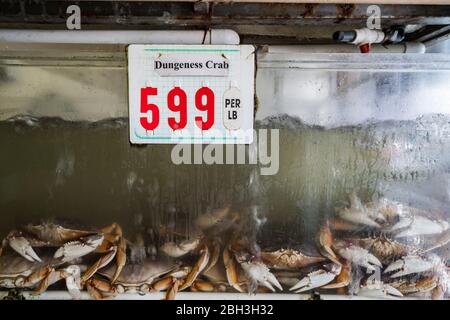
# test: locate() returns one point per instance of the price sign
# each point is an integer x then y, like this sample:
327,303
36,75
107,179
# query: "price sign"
191,93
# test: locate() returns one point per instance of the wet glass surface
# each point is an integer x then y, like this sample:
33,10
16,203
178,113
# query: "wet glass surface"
373,135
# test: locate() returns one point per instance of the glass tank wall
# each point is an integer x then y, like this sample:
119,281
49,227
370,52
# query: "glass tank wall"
359,204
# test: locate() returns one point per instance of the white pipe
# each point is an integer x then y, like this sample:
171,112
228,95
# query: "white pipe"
405,47
120,37
366,35
414,47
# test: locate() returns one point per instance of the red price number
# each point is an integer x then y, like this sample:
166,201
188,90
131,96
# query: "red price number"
177,103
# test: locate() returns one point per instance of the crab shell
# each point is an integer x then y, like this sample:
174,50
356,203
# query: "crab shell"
386,250
283,259
14,269
414,285
139,277
55,234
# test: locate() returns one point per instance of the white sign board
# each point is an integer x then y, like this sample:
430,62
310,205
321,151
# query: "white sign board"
191,93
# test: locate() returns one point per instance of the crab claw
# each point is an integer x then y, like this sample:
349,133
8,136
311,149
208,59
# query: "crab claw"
373,261
259,273
22,246
408,265
359,256
231,270
175,250
358,214
358,218
325,240
73,281
197,269
343,279
75,249
316,279
379,290
418,225
390,290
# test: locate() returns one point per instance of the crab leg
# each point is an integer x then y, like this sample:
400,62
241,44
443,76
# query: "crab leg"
93,291
214,256
113,228
5,243
438,293
231,270
171,284
100,263
201,285
114,234
171,293
338,224
36,277
325,242
71,275
198,268
97,287
163,284
121,259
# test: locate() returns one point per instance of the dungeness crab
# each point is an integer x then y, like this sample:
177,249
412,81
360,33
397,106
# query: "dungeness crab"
70,244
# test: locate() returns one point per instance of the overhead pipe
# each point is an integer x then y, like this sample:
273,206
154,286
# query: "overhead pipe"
404,47
365,37
216,36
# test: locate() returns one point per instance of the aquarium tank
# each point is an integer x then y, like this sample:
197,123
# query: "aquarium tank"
356,202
